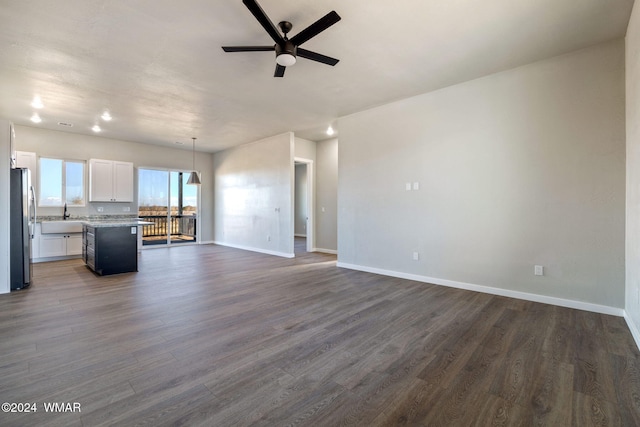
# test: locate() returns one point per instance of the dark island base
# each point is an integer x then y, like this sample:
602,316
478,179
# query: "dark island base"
110,250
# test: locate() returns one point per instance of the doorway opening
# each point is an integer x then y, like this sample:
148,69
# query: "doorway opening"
303,205
165,198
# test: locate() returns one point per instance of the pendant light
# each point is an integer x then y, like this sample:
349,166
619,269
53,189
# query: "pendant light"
194,179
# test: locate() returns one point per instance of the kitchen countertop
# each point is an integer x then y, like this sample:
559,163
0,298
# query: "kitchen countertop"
88,218
132,222
100,220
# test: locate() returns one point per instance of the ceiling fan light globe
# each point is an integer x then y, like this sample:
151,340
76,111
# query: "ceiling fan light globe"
285,59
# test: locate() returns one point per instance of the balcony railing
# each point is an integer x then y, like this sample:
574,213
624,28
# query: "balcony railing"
181,228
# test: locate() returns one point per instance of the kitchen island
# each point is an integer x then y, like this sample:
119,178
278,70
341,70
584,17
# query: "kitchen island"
111,246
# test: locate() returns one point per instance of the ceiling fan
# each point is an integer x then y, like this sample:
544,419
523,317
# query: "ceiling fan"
287,49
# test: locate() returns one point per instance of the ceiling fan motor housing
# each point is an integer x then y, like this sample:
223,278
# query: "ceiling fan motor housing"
287,47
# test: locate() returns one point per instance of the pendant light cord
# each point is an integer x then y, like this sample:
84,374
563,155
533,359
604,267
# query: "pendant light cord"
194,179
194,154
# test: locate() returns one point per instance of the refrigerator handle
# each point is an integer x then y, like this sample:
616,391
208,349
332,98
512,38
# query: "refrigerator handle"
32,231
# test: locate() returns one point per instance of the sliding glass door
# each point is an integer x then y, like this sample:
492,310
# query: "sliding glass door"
165,199
153,205
184,204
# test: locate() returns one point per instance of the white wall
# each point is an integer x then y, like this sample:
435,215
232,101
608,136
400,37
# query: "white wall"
254,195
516,169
327,195
5,157
70,146
632,300
300,200
305,149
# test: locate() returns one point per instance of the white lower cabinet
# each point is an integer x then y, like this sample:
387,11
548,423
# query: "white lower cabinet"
35,243
55,245
74,244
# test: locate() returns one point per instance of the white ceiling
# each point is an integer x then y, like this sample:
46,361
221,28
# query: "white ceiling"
158,66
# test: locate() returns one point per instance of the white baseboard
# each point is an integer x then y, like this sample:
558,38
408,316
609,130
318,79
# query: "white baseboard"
325,251
54,258
207,242
635,333
579,305
260,250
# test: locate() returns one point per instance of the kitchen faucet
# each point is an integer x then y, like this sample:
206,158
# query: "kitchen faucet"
65,215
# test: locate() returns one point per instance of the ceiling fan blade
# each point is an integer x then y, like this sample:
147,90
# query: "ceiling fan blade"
316,28
314,56
264,20
248,48
279,71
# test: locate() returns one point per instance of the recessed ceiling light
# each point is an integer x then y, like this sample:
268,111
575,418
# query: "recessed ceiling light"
330,131
96,128
36,118
106,116
37,102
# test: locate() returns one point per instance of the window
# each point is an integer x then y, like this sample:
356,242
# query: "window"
61,181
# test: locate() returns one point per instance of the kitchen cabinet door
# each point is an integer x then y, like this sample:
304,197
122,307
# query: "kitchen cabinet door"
123,181
110,181
52,245
100,180
74,244
25,159
55,245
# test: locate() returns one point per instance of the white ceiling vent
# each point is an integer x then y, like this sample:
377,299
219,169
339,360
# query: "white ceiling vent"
69,125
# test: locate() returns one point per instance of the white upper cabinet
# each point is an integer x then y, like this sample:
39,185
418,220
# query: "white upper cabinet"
123,181
100,180
25,159
110,181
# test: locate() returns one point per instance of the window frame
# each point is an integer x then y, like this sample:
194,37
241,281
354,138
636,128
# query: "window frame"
64,200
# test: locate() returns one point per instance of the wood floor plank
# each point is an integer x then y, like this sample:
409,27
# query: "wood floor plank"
206,335
627,381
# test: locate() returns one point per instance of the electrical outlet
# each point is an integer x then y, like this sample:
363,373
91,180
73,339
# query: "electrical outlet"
416,185
416,256
126,209
407,186
268,238
538,270
100,209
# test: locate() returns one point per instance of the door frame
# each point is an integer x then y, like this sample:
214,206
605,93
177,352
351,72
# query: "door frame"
311,186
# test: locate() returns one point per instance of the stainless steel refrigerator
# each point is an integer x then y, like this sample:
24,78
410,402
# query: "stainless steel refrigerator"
22,227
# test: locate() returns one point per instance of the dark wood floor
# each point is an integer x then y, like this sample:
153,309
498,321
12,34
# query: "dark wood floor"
213,336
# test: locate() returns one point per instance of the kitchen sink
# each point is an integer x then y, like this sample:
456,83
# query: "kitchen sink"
50,227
